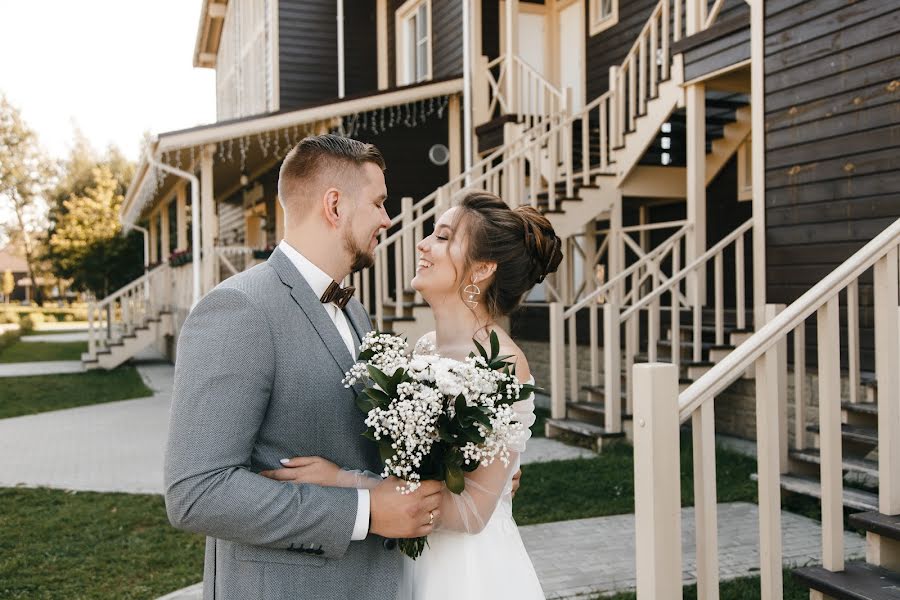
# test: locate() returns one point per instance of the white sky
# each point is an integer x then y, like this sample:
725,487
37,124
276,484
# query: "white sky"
114,68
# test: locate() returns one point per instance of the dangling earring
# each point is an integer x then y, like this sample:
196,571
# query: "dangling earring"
473,291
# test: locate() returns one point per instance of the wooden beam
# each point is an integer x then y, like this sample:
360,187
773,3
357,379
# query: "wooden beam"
382,42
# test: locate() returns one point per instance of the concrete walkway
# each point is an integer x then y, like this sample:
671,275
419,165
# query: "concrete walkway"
74,336
585,558
47,367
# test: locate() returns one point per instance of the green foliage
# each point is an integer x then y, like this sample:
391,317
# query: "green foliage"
745,588
31,320
41,393
42,351
85,241
9,283
9,317
85,545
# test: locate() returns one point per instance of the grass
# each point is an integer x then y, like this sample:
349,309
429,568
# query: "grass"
57,544
604,485
746,588
41,393
19,351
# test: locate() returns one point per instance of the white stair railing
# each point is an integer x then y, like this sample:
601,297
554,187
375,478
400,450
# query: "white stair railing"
659,409
622,290
120,313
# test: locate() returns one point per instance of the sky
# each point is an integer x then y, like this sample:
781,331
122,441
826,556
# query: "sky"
112,68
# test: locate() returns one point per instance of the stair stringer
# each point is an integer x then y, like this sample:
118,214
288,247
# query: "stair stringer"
143,337
733,135
647,126
596,202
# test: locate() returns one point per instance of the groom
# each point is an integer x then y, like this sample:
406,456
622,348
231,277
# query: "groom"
258,379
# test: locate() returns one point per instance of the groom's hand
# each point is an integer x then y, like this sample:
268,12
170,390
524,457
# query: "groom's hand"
396,515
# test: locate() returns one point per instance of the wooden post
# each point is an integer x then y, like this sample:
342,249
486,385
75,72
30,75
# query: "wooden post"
165,246
408,253
829,348
887,373
703,427
381,18
454,137
616,250
557,362
480,91
612,368
512,39
800,387
769,473
209,226
695,99
853,339
154,237
657,498
181,217
758,124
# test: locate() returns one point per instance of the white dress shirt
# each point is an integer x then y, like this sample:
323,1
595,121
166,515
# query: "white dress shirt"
319,281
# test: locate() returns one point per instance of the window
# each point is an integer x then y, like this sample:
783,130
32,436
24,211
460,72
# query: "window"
604,14
414,42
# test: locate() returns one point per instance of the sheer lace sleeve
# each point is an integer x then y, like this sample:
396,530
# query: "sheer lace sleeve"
347,478
471,510
426,344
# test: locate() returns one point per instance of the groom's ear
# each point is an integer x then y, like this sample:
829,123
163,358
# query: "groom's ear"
330,204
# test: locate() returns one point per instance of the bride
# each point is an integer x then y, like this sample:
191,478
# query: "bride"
476,268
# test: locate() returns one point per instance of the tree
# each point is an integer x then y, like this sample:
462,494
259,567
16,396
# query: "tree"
24,173
85,241
9,284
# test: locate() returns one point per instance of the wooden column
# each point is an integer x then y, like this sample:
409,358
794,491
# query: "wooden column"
209,223
696,181
382,43
165,245
512,49
154,238
181,217
454,136
758,156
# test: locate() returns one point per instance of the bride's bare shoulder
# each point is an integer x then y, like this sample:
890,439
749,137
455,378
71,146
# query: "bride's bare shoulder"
508,346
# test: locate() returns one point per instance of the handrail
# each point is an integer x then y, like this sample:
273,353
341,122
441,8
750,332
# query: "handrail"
130,286
538,77
732,366
661,249
689,268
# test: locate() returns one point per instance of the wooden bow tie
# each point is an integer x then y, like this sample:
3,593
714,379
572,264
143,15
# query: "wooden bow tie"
337,294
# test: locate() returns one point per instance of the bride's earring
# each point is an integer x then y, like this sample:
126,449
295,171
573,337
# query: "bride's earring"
473,292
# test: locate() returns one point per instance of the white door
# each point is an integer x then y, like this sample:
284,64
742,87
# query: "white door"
533,51
571,52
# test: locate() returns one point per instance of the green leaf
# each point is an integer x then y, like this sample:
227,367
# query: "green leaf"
481,350
495,346
385,451
456,481
379,398
369,435
364,403
381,379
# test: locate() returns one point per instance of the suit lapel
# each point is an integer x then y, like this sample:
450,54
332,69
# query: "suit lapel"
360,322
303,295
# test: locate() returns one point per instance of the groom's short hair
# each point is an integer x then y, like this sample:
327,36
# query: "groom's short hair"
324,160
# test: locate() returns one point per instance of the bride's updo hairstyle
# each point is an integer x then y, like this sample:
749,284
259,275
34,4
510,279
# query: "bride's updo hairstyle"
520,240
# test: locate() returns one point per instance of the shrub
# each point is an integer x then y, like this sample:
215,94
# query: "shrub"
31,320
9,316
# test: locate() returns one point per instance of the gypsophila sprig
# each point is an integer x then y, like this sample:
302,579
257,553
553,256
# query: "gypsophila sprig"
436,418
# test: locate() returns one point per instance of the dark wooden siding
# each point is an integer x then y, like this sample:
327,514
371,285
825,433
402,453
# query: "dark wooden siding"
360,46
609,47
307,37
447,45
724,44
833,131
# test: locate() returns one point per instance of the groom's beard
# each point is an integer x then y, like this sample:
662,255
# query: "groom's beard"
361,259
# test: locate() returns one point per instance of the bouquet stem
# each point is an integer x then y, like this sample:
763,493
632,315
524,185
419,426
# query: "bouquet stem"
413,547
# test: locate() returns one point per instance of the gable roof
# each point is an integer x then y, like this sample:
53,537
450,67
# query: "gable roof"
11,260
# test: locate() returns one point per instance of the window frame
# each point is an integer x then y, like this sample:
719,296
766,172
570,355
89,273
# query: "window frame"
403,21
600,23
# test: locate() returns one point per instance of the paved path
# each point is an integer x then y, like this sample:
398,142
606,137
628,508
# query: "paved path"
588,557
47,367
112,447
74,336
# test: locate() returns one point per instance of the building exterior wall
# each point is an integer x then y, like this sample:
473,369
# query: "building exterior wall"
832,131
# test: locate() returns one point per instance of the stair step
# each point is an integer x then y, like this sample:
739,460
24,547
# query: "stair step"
853,433
858,581
594,408
861,465
594,435
600,390
884,525
853,498
862,408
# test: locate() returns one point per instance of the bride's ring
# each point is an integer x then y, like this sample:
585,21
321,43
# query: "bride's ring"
431,518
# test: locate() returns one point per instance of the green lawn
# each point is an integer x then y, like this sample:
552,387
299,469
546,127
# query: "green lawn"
57,544
604,485
29,395
19,351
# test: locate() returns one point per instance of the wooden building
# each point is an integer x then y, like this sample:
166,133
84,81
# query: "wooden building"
724,175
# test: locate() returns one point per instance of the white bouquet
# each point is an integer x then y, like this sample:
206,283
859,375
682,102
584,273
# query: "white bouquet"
436,418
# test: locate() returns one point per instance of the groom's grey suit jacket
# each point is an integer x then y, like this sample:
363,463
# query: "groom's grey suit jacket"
257,379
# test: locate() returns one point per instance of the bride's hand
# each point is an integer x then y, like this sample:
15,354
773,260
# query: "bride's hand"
306,469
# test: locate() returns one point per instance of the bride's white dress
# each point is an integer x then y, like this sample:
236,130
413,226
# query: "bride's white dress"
476,552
